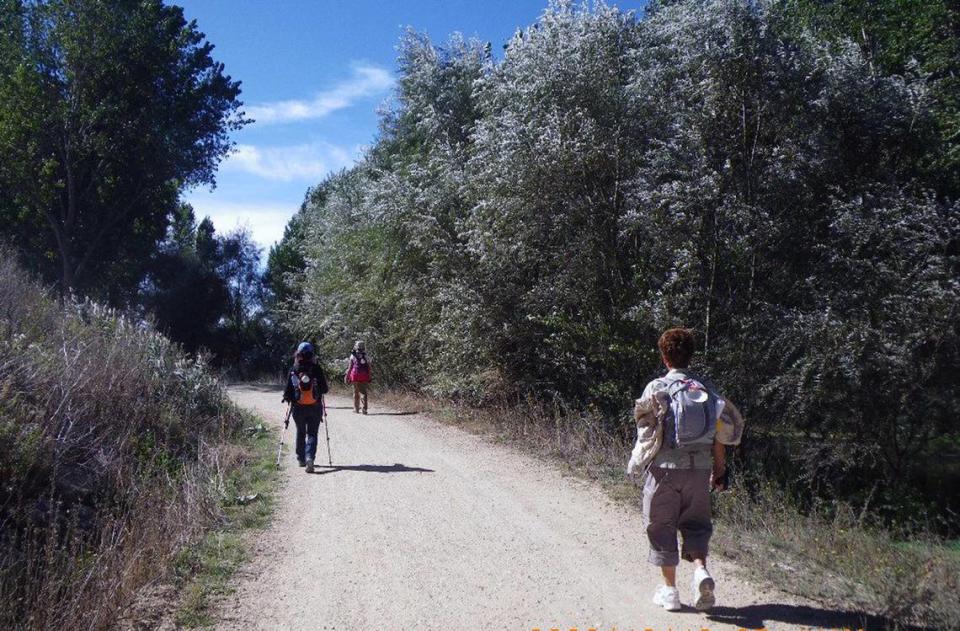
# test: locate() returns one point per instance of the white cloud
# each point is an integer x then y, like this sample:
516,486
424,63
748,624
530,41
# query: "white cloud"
367,80
265,221
309,162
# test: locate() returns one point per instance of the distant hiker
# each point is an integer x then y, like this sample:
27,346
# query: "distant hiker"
358,373
306,385
682,427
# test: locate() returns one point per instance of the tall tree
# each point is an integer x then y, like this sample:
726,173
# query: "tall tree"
109,108
205,291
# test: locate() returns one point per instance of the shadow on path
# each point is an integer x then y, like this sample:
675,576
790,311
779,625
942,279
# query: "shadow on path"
371,468
259,387
759,616
350,407
391,413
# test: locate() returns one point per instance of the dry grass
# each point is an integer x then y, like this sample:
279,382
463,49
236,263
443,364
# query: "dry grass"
832,556
202,571
835,555
113,457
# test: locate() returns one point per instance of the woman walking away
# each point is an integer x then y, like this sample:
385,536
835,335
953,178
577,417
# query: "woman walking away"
683,426
305,388
358,373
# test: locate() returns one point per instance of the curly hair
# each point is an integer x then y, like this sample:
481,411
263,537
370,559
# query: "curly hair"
677,347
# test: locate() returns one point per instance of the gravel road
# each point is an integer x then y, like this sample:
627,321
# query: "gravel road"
420,525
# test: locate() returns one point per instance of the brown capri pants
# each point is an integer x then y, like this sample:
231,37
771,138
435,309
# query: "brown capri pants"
677,499
359,395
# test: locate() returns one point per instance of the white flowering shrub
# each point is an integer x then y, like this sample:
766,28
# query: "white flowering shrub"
527,226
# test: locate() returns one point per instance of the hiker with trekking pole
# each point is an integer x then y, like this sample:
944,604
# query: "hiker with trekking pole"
305,387
683,428
286,424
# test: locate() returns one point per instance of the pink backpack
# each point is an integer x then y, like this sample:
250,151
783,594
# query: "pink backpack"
359,368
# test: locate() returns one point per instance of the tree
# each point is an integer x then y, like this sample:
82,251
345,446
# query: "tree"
906,37
205,291
238,266
183,290
109,108
285,262
549,175
524,228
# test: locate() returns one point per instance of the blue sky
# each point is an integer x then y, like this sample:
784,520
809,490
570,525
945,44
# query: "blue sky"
314,74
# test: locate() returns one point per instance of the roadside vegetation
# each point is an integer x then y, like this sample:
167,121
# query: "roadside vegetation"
120,455
779,175
202,572
109,111
117,453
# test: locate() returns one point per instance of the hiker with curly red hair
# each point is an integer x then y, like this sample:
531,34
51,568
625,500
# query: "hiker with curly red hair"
683,425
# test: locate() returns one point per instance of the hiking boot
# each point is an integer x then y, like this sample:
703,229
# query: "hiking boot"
703,585
301,463
668,598
309,465
364,411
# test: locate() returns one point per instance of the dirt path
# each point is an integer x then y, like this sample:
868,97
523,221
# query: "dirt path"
423,526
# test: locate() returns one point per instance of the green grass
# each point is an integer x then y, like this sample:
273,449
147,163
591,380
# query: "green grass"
954,548
203,572
838,557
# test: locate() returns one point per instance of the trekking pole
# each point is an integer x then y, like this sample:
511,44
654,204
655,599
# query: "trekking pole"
286,423
326,428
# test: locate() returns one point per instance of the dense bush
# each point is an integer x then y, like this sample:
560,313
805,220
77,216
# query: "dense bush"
528,226
109,442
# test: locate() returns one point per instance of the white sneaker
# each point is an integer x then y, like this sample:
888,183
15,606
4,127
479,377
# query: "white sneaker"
703,585
668,598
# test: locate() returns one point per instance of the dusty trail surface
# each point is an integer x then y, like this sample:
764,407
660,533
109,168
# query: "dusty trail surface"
423,526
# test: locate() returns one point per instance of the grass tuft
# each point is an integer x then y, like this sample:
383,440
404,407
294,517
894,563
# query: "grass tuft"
203,571
113,447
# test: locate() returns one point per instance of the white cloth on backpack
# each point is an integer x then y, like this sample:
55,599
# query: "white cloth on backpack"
649,414
730,425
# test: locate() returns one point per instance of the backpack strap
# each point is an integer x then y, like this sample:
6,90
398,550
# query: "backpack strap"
675,383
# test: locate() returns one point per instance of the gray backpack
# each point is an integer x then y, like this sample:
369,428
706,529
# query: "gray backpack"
693,409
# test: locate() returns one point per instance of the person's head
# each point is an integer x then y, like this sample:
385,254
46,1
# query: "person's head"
305,351
677,347
359,347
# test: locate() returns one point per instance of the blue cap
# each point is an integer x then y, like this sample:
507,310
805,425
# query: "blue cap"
305,347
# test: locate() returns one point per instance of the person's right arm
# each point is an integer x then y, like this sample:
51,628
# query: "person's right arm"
718,479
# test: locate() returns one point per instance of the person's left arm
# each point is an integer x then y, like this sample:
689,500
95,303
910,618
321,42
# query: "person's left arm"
321,378
288,391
